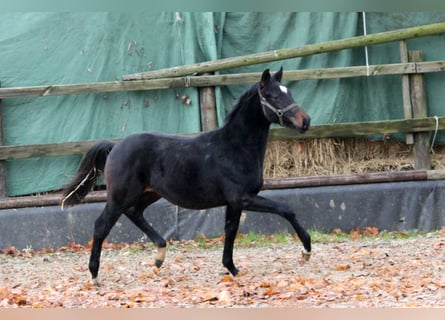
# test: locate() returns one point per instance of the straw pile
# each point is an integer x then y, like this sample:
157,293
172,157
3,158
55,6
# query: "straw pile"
314,157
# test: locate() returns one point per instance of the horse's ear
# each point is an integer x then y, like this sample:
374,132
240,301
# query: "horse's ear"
279,75
265,77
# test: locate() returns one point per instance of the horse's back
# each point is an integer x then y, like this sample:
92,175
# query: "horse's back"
190,171
175,167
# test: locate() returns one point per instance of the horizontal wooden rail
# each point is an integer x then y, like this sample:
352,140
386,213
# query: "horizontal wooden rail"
269,184
46,200
289,53
219,80
47,149
354,178
316,131
362,128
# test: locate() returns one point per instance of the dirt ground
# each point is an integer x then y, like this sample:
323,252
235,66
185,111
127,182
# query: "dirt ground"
363,273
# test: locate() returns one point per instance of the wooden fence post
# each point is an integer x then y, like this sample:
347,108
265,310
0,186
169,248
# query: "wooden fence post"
207,104
3,180
407,108
422,157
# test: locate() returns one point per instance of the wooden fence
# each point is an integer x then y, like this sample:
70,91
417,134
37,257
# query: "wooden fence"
411,70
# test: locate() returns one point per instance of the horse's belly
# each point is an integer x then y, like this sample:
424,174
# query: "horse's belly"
192,197
194,202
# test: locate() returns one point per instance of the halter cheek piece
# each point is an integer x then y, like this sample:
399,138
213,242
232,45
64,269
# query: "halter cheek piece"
279,112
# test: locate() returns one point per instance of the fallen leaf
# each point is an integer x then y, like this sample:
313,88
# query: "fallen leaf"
181,278
18,299
168,283
283,284
209,298
270,292
342,267
10,251
227,278
371,231
355,233
439,245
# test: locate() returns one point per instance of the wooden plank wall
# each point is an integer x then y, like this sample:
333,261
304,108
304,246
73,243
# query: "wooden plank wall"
411,70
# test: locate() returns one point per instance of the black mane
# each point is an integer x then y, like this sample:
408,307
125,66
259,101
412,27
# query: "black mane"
242,100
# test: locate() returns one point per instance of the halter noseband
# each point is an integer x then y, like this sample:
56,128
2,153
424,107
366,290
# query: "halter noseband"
279,112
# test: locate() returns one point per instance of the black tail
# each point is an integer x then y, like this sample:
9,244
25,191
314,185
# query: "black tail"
90,167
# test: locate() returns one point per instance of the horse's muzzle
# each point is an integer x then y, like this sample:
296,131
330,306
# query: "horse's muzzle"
301,121
306,123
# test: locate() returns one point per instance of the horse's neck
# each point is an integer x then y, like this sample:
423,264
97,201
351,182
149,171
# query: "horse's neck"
248,127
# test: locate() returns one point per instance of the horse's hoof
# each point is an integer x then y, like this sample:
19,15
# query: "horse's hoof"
158,263
160,257
234,271
305,255
95,282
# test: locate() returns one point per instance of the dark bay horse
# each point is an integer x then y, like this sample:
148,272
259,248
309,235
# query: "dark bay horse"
223,167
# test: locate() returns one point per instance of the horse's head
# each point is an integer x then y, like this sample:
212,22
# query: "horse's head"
278,104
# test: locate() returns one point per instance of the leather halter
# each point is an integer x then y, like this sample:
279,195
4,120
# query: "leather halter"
279,112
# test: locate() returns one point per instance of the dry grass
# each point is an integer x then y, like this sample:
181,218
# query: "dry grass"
313,157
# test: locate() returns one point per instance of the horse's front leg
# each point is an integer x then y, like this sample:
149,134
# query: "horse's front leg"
231,227
261,204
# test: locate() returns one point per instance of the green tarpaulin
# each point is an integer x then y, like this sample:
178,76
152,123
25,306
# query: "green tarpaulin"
64,48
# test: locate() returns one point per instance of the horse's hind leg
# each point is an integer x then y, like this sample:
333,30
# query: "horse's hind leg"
102,227
135,214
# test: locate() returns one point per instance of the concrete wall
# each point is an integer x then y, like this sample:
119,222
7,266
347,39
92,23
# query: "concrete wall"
388,206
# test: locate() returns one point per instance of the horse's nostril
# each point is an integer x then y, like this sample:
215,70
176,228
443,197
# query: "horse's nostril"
306,123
